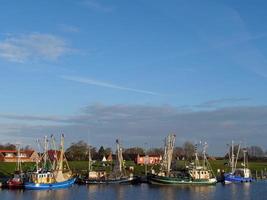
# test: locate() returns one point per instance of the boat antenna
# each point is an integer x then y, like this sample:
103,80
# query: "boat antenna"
19,168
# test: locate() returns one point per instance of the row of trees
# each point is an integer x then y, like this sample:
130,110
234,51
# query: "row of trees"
79,151
252,151
9,146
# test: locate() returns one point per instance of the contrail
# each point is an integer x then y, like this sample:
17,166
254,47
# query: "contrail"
105,84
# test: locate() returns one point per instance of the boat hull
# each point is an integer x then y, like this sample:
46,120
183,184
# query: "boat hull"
49,186
130,180
230,178
161,180
13,184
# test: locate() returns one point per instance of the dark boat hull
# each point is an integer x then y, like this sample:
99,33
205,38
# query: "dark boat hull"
128,180
161,180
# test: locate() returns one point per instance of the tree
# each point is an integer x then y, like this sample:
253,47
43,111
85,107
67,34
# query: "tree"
255,151
189,150
101,152
8,146
155,151
78,151
108,151
178,152
134,150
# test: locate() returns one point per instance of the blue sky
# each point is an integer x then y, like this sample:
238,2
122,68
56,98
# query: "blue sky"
59,58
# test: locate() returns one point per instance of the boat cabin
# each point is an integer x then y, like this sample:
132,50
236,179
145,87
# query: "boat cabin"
46,177
242,172
97,175
199,174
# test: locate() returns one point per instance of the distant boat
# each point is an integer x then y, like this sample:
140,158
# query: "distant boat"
238,175
55,177
18,178
195,174
117,176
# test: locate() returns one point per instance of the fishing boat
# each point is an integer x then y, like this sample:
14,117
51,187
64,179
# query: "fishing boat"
57,176
117,176
238,175
18,178
194,174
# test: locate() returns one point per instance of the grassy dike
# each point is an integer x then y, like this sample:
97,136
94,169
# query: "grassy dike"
6,169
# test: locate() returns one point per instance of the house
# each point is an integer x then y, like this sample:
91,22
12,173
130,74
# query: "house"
148,159
12,156
53,154
110,157
104,159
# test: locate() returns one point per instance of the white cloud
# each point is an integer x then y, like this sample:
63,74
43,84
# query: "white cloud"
34,46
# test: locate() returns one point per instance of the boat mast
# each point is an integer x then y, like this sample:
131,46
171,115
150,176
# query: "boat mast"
237,155
89,159
61,157
119,155
168,152
233,157
196,156
18,159
245,160
45,153
204,155
53,145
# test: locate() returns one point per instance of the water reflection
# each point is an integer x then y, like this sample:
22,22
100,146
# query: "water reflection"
144,191
179,192
241,190
52,194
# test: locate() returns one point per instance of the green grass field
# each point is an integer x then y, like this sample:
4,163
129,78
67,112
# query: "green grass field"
6,169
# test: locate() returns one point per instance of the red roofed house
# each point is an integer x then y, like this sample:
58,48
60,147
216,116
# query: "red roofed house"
53,154
152,159
25,156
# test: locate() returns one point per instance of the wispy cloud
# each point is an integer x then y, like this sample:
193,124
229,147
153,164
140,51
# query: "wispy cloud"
34,118
105,84
34,46
69,28
216,102
96,5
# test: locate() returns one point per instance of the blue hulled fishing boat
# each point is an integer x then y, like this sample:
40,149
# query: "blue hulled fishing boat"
49,186
238,175
57,176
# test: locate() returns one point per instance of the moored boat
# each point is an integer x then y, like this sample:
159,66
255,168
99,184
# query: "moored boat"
195,174
238,175
117,176
58,176
18,178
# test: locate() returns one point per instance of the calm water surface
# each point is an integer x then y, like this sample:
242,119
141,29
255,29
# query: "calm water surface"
246,191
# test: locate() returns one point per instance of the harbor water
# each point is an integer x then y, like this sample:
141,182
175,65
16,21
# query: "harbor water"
245,191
